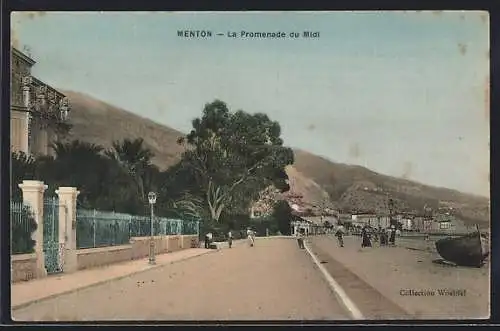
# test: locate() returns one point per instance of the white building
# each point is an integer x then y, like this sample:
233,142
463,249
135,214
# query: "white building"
372,220
37,110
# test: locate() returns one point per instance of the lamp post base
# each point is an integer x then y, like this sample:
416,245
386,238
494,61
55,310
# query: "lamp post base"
152,257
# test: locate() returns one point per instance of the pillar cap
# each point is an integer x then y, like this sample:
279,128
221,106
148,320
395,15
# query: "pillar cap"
33,185
67,189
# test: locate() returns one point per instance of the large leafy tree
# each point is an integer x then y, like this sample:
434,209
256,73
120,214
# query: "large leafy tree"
233,156
282,214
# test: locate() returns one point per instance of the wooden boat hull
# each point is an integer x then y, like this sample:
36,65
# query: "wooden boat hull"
466,250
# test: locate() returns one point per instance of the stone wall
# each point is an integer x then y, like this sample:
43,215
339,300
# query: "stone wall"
190,242
137,249
96,257
23,267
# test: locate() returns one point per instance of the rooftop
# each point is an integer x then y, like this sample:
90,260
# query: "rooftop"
23,56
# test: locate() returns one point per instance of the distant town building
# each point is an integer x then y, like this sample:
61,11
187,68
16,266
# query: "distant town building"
373,220
320,220
36,108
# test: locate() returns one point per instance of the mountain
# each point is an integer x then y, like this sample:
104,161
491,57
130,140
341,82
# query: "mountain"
318,181
358,188
101,123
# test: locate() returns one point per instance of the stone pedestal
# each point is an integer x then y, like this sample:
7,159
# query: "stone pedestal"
33,191
67,226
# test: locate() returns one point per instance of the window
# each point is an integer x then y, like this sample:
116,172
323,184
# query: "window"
444,225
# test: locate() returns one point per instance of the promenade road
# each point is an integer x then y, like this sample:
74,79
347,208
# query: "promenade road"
380,280
272,281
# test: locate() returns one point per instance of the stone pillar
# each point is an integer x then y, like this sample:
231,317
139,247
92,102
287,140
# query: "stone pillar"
33,197
19,131
67,226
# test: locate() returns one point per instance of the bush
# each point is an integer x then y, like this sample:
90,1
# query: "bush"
22,228
282,213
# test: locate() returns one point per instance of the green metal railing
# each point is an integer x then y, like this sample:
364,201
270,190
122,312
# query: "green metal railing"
22,227
52,248
96,228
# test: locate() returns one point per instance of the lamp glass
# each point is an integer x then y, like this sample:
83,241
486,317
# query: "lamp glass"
152,197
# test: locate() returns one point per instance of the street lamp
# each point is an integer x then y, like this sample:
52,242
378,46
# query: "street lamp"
152,201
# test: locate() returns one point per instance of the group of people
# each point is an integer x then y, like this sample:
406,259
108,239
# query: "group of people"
385,236
250,237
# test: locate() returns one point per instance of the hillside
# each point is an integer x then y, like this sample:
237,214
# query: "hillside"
100,123
315,178
358,188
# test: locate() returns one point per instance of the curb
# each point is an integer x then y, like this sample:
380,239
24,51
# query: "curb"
224,244
29,303
336,288
276,237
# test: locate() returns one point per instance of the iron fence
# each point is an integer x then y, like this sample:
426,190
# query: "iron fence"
22,225
96,228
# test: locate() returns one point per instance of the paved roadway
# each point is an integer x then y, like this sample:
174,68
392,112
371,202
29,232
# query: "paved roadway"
376,279
272,281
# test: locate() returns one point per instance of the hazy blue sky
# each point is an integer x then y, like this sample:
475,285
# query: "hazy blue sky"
398,92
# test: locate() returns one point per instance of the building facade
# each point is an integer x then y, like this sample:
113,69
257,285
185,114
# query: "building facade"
38,112
372,220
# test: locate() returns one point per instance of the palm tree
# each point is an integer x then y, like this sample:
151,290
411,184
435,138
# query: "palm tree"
23,167
76,148
78,163
132,156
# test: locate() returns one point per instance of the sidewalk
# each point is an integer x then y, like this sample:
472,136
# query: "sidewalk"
25,293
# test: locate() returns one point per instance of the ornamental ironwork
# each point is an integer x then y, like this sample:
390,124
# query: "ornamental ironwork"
45,105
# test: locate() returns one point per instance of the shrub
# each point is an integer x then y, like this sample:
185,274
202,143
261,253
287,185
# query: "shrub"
282,213
22,227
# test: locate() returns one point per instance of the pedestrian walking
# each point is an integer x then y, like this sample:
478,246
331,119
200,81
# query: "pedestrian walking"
383,237
300,238
230,239
206,240
339,233
250,237
209,239
365,237
392,238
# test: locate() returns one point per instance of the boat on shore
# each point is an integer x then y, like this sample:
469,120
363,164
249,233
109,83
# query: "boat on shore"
469,250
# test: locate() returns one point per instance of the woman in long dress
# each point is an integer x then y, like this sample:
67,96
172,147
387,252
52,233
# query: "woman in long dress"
340,235
365,235
250,237
230,239
383,237
392,238
300,238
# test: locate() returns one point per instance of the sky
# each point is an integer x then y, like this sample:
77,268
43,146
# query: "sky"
402,93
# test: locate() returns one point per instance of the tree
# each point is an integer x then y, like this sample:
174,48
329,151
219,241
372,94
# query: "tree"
136,160
79,164
234,152
282,213
23,168
22,228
